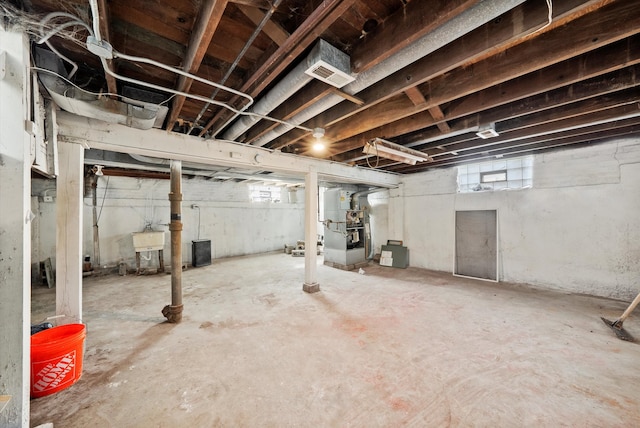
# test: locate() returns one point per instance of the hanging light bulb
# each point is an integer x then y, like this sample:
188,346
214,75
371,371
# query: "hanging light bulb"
318,133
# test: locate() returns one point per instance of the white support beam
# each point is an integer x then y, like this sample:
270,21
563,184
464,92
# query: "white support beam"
15,231
311,232
92,133
70,185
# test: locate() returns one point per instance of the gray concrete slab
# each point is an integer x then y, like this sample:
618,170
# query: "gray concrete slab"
392,347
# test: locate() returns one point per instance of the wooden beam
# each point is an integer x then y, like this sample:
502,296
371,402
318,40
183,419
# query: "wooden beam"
516,63
103,11
415,96
594,134
275,32
438,116
132,33
436,113
580,78
404,27
208,19
596,118
270,68
259,4
154,142
577,109
346,96
491,37
593,90
135,12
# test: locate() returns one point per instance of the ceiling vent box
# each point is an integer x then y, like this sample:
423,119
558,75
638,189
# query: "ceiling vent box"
487,131
330,65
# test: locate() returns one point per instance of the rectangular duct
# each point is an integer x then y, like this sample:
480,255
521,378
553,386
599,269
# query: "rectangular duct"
329,65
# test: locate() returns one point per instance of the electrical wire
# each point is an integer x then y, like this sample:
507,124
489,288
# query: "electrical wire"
95,13
158,64
96,19
377,157
76,21
549,17
45,37
197,97
233,66
104,195
198,208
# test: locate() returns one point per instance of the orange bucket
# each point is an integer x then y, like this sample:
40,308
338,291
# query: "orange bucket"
56,358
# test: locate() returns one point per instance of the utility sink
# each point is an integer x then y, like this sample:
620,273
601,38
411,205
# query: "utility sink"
148,241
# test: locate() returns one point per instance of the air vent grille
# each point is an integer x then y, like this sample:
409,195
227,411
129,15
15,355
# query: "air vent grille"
330,65
489,133
322,72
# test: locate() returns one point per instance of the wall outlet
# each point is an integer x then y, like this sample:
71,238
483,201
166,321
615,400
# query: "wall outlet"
47,198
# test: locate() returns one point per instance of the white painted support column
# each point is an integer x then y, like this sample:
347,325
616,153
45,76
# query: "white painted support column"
70,185
311,232
15,230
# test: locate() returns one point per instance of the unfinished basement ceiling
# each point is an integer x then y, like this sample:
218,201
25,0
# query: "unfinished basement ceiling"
428,74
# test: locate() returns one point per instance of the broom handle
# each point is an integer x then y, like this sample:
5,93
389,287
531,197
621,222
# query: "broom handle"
630,309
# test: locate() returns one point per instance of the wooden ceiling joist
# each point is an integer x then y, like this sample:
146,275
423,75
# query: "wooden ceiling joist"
303,37
208,19
276,33
517,62
407,25
573,100
103,21
490,38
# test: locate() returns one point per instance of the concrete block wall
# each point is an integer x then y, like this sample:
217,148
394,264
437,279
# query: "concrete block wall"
576,230
234,224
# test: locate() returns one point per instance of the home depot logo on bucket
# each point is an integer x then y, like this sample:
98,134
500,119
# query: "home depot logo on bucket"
54,373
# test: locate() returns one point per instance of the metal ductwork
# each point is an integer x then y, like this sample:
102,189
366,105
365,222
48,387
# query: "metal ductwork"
135,114
324,62
329,65
480,14
106,109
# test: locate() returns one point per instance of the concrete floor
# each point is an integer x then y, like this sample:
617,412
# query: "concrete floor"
389,348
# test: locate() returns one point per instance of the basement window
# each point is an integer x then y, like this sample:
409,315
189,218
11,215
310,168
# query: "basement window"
496,174
261,193
493,176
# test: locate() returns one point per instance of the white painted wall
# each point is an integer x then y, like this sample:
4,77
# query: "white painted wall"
234,224
577,230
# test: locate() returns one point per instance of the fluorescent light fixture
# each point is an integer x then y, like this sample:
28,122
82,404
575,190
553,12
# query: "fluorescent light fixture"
388,150
487,131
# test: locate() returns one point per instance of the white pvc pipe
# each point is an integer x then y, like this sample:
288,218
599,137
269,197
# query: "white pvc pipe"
95,15
188,95
183,73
